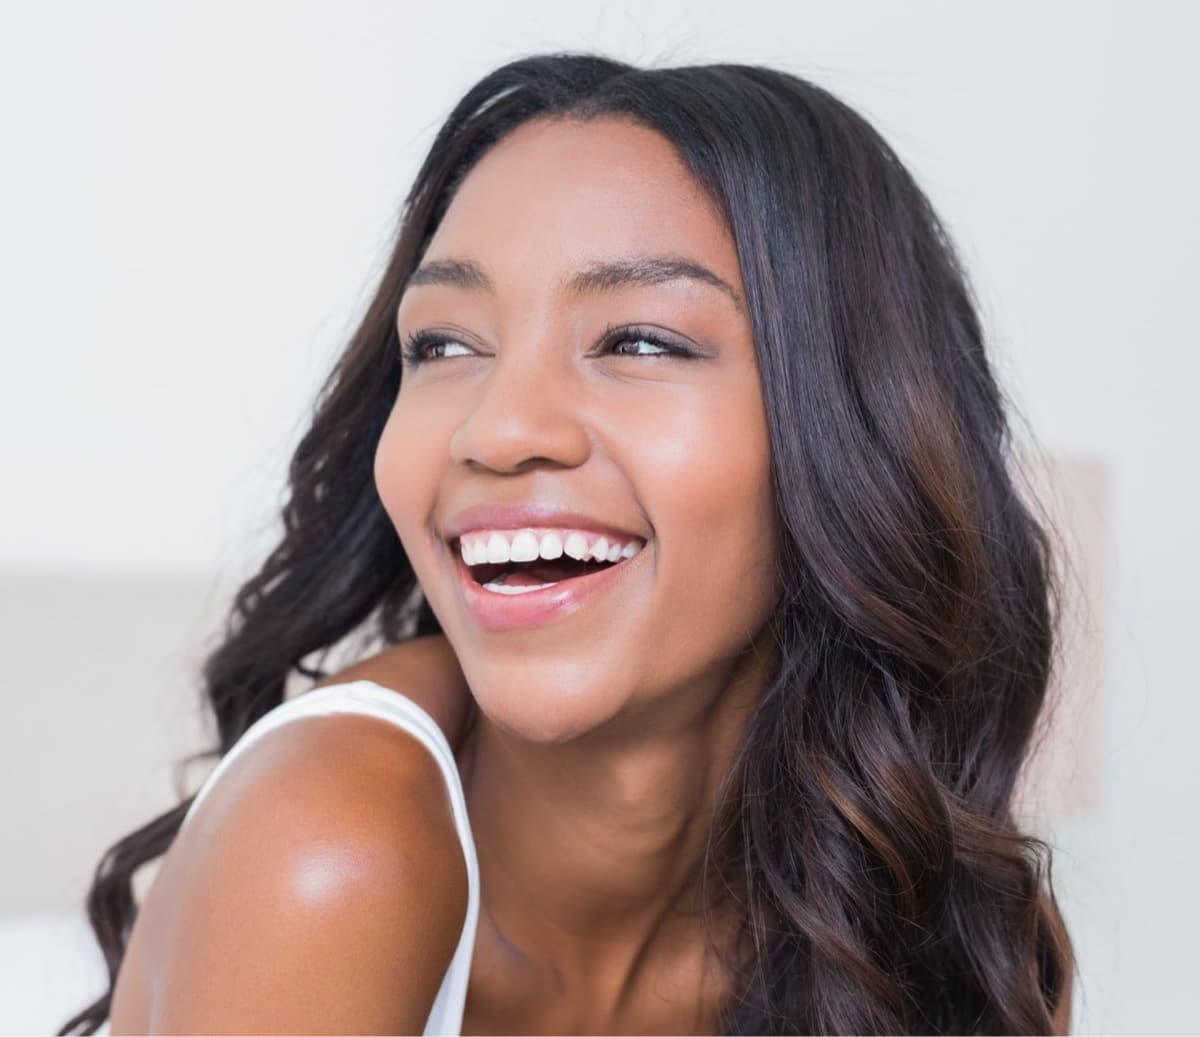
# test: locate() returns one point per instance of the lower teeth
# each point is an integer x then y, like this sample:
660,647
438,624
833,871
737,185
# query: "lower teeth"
502,588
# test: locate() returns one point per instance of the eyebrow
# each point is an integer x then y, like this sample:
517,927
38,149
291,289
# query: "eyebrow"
602,276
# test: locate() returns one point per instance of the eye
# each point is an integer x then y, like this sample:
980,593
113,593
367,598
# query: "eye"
430,345
636,338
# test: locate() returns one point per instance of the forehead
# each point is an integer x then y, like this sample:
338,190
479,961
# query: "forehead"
554,195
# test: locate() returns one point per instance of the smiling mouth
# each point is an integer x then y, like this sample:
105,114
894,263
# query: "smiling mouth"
510,595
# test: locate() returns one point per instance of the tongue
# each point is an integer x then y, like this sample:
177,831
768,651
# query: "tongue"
548,572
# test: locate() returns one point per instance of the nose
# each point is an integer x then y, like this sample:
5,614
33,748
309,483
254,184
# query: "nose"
526,412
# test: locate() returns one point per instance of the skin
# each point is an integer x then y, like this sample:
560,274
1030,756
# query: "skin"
592,771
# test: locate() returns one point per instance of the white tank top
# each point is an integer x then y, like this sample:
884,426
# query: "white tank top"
367,697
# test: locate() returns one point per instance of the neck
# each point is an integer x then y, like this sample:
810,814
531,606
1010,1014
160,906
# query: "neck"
591,851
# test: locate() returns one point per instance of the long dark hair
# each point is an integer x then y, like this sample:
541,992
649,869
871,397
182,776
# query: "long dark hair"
867,823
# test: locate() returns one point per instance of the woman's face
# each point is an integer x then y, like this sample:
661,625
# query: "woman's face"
543,391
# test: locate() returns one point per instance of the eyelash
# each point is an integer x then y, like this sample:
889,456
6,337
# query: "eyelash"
415,350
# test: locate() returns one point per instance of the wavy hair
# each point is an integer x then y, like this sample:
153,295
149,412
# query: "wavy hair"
867,824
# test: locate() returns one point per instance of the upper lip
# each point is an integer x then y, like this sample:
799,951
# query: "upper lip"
521,516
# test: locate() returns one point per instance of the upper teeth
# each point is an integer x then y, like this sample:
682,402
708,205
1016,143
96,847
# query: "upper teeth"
526,545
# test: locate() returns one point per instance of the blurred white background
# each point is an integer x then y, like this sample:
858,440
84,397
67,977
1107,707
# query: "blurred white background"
197,198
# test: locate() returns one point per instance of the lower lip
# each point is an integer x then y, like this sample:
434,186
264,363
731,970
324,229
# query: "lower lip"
533,608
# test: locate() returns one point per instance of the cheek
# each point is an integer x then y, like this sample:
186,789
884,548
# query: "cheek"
406,475
707,469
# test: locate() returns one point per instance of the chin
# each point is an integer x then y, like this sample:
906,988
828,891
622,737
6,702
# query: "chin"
540,702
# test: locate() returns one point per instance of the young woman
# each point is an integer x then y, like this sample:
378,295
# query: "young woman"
669,467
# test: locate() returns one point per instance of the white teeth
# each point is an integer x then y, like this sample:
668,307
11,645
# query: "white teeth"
497,548
501,588
528,545
525,547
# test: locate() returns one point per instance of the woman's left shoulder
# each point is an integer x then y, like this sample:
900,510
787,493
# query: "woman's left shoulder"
424,669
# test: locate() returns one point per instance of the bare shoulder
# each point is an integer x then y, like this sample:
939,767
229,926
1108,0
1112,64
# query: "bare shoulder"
319,887
426,670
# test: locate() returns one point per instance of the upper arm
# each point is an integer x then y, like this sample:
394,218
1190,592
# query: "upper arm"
319,888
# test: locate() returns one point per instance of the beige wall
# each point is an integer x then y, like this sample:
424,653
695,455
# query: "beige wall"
1061,777
97,682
